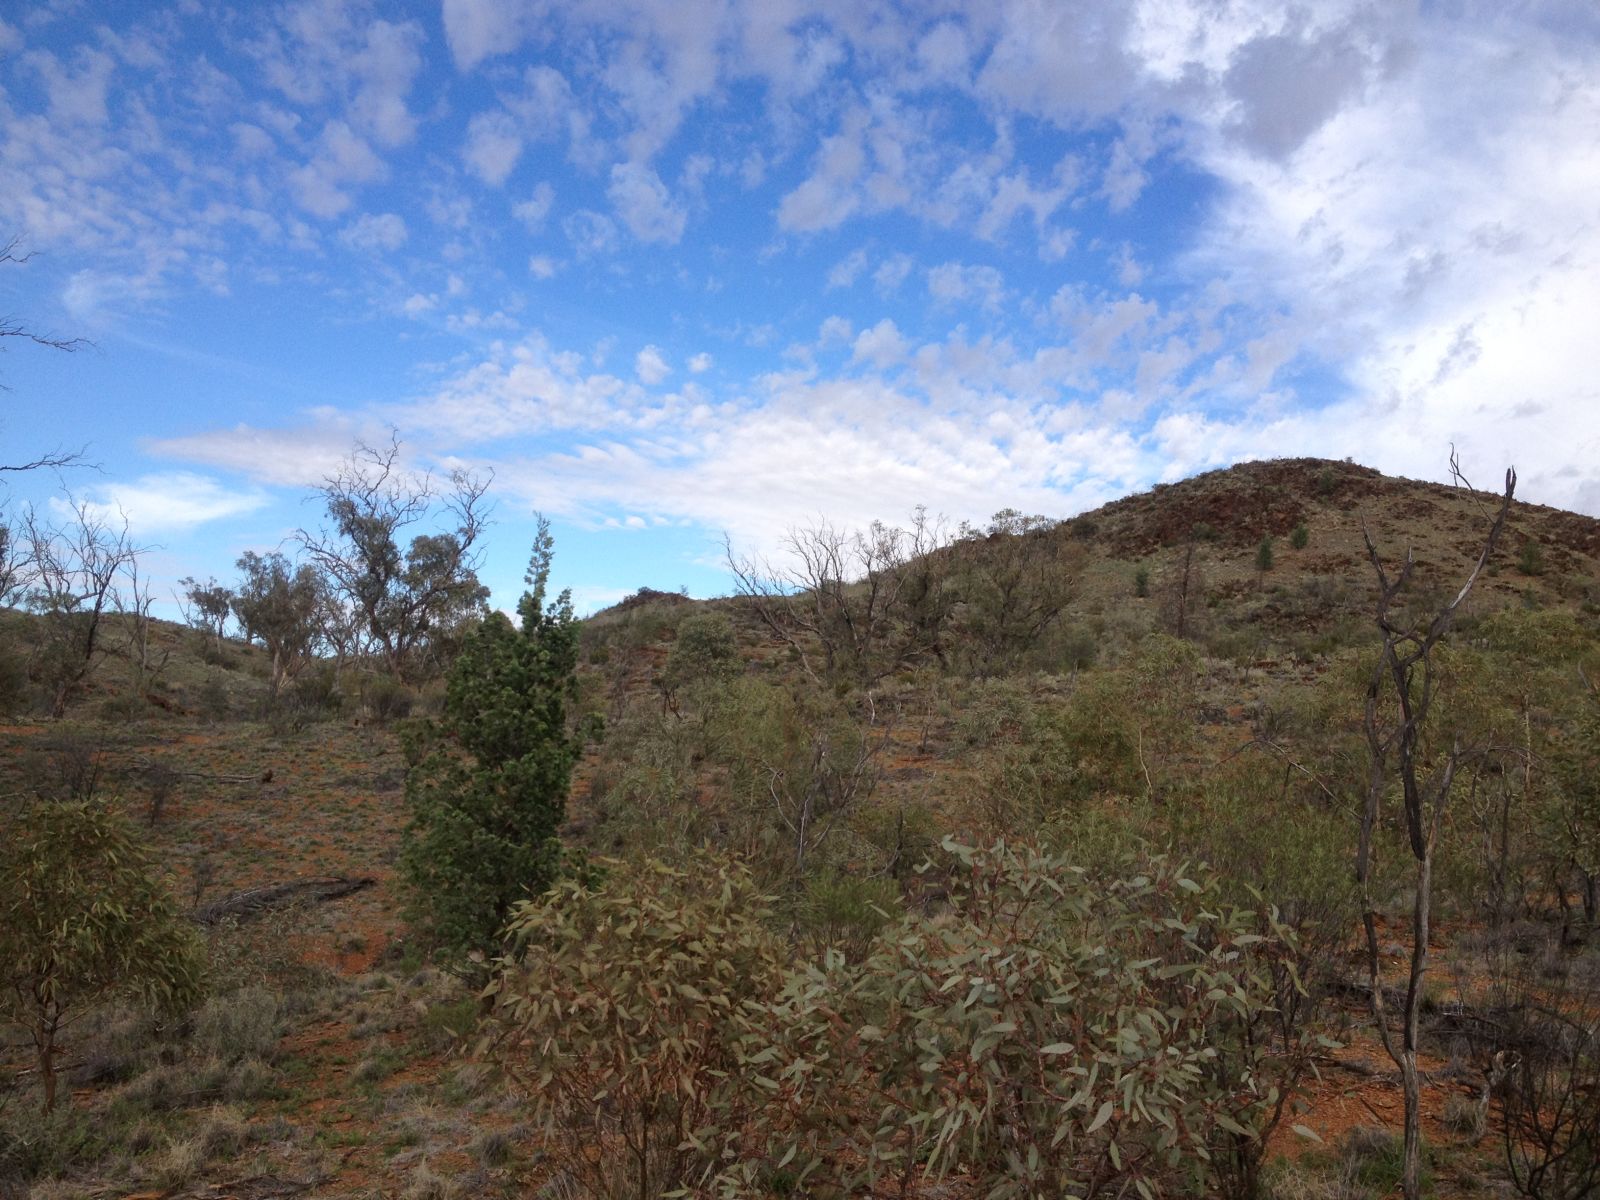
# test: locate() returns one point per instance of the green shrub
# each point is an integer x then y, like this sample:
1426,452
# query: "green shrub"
624,1014
1141,582
487,800
1053,1028
847,912
704,648
1264,555
1530,559
1300,536
387,700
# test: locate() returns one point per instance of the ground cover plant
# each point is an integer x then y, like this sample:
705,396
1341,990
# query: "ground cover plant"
1028,873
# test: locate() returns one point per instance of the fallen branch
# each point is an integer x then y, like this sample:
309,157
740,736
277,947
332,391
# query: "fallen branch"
242,906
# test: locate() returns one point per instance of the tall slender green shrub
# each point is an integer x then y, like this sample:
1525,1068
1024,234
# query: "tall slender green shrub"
488,789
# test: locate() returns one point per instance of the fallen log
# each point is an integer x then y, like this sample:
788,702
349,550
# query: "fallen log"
242,906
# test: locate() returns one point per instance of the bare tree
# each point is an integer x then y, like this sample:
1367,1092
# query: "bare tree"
1015,578
11,252
133,602
1182,594
74,572
834,770
1399,703
408,599
854,607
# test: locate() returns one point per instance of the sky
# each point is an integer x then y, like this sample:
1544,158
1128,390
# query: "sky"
680,270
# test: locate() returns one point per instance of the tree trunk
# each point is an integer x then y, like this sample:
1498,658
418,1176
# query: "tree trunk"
44,1040
1421,911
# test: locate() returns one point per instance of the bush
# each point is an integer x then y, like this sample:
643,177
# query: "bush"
1055,1028
624,1013
487,801
387,700
1300,536
84,917
1530,559
1264,555
847,912
704,648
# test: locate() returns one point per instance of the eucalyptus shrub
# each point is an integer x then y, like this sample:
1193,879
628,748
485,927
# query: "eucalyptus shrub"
1055,1034
85,917
625,1014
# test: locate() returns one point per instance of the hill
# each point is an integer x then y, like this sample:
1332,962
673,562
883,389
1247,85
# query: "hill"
1026,681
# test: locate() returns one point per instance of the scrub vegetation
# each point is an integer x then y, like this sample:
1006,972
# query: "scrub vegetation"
1220,842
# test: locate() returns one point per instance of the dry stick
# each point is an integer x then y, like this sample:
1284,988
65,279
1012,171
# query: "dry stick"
247,904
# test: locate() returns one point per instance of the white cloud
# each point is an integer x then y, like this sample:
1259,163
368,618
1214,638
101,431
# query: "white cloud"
955,282
700,363
590,233
375,231
543,267
342,159
493,146
892,272
650,367
883,345
175,501
845,272
644,204
533,211
477,29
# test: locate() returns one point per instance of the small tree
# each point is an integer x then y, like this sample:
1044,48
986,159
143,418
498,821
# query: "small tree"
1014,578
864,603
207,607
1300,536
1399,703
278,604
1183,594
410,599
1264,555
488,790
75,570
83,916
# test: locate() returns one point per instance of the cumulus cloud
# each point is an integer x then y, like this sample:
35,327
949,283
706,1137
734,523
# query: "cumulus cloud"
650,367
493,146
590,233
533,211
883,345
342,159
645,205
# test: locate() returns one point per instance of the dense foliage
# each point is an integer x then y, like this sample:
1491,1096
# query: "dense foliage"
488,788
1056,1032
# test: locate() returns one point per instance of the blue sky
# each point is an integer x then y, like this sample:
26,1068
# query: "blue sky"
673,269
